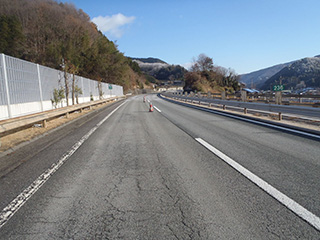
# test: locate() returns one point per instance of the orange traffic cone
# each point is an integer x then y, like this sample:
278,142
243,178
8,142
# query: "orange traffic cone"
151,108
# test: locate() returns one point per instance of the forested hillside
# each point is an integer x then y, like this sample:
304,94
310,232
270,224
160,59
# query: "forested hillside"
160,70
299,74
59,35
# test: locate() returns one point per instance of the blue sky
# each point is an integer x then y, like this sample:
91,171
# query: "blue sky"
245,35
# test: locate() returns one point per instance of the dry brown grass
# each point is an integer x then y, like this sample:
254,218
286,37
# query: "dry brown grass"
14,139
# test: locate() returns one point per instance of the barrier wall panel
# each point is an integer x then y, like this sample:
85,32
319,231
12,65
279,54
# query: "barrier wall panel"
22,109
86,88
22,81
4,112
31,88
50,79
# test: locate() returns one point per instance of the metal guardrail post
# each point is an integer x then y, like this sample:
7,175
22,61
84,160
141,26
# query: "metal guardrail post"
44,123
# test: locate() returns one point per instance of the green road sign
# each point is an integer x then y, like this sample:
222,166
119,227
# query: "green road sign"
110,87
278,88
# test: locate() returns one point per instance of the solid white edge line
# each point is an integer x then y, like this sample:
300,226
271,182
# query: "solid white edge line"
23,197
282,198
279,127
258,122
157,109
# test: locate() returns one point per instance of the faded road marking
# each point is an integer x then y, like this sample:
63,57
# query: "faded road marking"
23,197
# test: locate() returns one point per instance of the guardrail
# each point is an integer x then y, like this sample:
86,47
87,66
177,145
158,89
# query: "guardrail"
16,124
287,99
276,115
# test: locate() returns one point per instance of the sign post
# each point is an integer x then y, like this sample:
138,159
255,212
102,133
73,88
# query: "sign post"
278,95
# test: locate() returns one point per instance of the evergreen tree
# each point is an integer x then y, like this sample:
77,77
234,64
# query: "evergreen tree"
11,36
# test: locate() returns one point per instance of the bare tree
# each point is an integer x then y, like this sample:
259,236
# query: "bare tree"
202,63
64,66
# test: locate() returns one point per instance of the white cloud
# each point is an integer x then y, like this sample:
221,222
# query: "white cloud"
113,24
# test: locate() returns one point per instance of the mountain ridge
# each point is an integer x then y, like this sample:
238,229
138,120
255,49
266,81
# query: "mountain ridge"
305,69
258,78
149,60
159,69
301,73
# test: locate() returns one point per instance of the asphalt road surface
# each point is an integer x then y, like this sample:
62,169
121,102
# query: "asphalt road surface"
127,173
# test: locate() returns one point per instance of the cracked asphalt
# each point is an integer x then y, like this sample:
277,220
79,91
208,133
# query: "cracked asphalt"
139,176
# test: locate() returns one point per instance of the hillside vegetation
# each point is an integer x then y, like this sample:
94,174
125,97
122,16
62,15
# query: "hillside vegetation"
60,36
159,70
204,76
299,74
293,75
257,78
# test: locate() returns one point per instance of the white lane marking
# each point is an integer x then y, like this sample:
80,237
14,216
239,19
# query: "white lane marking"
23,197
157,109
282,198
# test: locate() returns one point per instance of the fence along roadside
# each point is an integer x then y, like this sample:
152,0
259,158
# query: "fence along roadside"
27,88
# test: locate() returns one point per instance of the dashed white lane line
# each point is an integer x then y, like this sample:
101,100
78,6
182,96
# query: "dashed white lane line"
282,198
157,109
23,197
